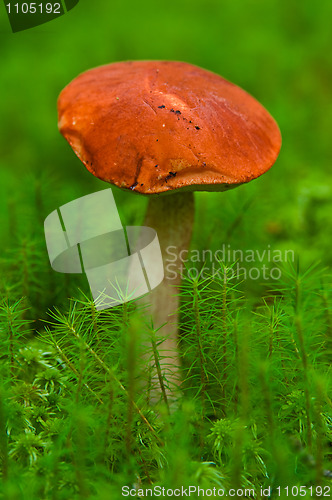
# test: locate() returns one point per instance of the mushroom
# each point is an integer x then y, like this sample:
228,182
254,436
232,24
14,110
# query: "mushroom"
165,129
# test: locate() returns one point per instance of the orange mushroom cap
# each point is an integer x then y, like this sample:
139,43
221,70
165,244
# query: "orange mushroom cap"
156,126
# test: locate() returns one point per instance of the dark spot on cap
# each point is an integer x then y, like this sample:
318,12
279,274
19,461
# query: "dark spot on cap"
190,121
170,175
133,186
197,128
141,184
156,140
178,112
172,110
204,164
156,166
161,107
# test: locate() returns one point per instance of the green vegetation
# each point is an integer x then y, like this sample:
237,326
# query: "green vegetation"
75,419
76,423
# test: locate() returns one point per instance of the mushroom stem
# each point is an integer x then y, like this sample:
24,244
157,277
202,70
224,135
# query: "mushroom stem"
172,217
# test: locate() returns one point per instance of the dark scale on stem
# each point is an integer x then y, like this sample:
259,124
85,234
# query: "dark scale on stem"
132,187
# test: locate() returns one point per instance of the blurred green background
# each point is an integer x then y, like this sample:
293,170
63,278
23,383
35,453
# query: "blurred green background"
277,50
